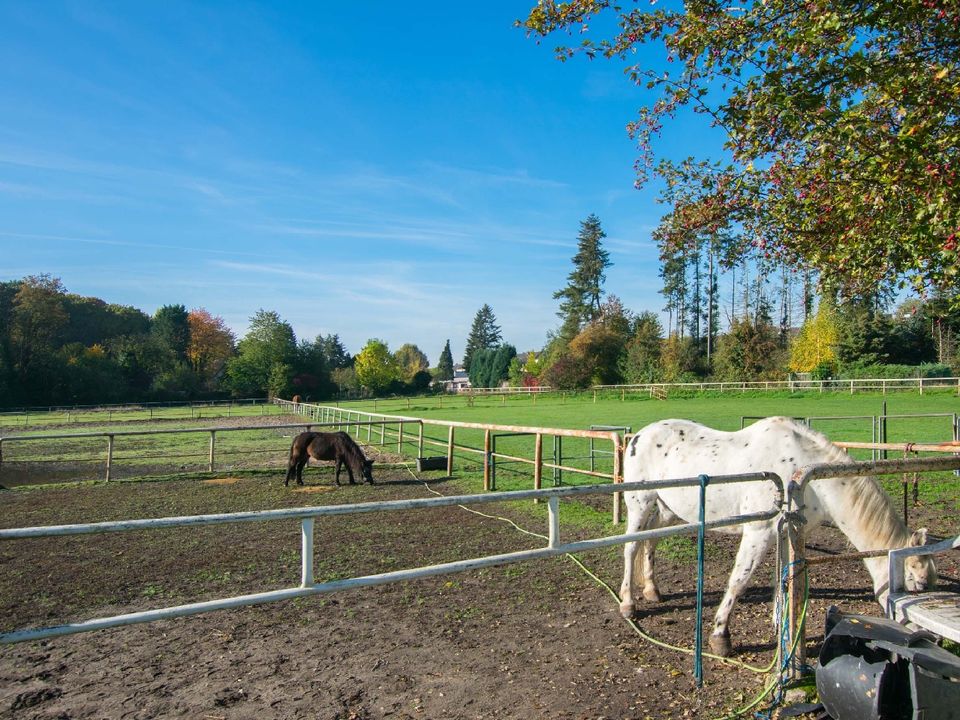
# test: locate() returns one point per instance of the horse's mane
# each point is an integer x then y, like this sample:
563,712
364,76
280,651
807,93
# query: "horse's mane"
871,505
351,448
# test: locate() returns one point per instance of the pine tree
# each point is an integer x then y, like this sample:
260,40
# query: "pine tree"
484,333
580,299
445,364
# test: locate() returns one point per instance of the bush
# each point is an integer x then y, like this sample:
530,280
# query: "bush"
887,372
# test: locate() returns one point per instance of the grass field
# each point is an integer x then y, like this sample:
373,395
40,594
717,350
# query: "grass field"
11,421
840,416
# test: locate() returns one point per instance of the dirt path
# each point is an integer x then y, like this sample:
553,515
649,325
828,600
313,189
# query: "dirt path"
534,640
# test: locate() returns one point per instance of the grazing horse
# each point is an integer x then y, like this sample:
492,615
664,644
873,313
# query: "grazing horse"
328,446
679,448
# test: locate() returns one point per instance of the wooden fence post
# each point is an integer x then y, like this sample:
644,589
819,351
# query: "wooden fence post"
400,439
538,462
109,455
213,444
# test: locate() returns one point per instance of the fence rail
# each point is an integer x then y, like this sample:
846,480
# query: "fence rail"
851,386
308,586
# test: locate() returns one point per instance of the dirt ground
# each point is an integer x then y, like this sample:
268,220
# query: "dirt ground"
532,640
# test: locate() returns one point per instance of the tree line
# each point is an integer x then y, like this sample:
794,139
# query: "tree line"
60,348
772,322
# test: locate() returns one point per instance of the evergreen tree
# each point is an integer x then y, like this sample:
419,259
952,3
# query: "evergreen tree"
641,360
491,366
484,333
445,364
336,354
580,299
171,326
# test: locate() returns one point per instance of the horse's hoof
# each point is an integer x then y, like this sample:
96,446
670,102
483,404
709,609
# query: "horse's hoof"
628,610
721,645
651,594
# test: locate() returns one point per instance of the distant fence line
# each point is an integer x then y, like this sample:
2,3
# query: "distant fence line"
884,385
116,407
405,431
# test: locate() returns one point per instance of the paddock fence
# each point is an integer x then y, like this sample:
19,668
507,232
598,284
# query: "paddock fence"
788,508
307,516
492,444
70,414
852,386
406,435
875,431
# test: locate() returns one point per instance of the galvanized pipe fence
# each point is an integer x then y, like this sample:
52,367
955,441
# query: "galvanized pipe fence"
793,537
788,506
307,517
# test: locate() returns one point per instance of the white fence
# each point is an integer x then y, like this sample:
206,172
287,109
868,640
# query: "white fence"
882,385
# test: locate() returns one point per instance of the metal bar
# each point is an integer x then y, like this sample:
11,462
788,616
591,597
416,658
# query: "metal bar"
387,505
553,508
797,577
306,552
213,444
370,580
486,460
450,450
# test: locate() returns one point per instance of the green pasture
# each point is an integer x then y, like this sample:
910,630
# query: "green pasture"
14,420
840,416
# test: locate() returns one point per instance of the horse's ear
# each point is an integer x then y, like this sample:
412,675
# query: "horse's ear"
918,538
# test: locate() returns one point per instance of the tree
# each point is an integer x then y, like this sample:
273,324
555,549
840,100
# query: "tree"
411,361
445,364
171,326
841,124
640,362
270,341
484,333
815,346
750,350
376,367
334,351
38,319
211,344
580,299
598,348
491,366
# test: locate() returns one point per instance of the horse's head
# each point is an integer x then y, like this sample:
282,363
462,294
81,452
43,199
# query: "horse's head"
368,471
919,573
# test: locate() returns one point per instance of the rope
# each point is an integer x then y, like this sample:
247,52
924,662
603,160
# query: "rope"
781,620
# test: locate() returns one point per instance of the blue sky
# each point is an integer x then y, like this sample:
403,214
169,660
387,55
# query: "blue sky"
368,169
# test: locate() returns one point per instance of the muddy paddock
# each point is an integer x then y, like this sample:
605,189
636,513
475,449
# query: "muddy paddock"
532,640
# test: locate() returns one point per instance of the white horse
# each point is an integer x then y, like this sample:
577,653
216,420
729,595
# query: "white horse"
679,448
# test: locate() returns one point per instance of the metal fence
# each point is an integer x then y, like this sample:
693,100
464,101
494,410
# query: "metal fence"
306,516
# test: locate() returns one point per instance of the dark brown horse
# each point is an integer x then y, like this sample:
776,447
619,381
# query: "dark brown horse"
328,446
